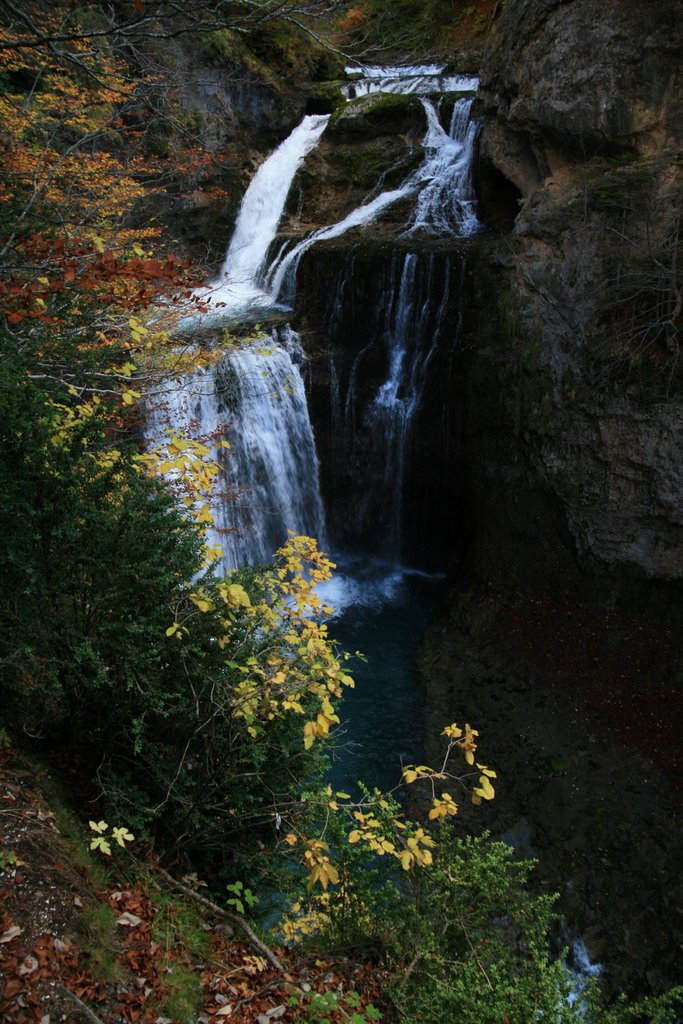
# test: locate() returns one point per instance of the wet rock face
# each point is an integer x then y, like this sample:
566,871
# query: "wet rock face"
347,297
370,145
576,394
587,77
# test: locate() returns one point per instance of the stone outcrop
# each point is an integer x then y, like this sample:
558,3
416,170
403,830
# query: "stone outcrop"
575,414
370,145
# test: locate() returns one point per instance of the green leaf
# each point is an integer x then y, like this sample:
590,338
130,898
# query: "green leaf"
101,844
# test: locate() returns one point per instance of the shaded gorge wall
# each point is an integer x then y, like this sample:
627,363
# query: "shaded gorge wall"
385,327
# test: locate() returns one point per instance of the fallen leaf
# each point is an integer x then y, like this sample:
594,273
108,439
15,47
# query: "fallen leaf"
225,1011
29,965
130,920
11,933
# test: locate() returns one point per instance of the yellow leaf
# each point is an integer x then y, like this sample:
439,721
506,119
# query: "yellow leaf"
485,790
406,859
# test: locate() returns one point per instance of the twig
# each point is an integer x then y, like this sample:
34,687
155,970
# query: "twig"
227,915
410,969
84,1009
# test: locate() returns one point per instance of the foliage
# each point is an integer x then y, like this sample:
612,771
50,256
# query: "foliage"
241,894
321,1008
411,26
102,839
196,708
182,704
469,939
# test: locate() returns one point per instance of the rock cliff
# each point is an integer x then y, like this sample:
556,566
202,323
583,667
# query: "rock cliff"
572,455
579,456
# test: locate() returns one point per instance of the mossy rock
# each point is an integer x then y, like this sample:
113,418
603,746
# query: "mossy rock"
364,163
325,98
377,114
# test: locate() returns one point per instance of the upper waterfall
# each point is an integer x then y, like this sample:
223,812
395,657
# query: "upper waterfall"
236,289
420,79
445,201
442,184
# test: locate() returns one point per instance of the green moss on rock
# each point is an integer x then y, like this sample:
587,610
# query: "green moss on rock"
377,114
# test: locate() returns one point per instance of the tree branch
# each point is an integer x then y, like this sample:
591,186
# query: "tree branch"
227,915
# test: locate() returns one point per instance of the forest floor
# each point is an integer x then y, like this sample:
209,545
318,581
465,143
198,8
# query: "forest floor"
101,943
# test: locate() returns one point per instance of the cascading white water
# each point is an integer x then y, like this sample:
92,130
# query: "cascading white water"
410,348
272,468
254,398
281,278
397,400
443,185
236,290
446,204
416,79
374,427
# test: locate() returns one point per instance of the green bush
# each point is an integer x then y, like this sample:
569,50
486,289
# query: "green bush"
96,564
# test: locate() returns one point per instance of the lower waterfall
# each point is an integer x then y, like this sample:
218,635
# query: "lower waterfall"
254,399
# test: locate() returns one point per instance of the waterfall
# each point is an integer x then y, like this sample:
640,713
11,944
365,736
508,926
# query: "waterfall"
410,347
281,278
272,467
380,424
442,184
446,203
418,79
236,291
254,398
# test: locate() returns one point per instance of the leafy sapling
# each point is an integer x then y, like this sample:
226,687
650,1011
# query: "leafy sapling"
103,839
240,897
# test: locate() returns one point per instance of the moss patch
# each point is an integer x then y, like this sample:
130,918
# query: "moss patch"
377,114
